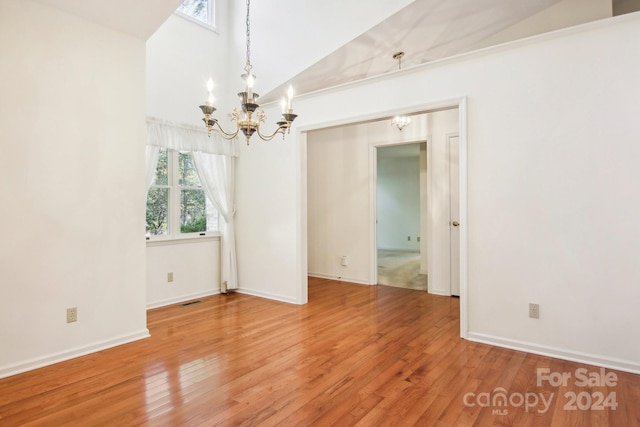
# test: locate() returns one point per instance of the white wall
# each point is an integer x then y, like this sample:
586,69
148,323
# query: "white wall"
340,176
440,125
181,56
424,201
291,40
552,132
338,202
398,199
195,266
72,186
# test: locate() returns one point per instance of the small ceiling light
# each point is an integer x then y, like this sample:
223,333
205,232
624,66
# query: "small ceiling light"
400,121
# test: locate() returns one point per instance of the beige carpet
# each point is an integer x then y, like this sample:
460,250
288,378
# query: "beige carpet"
401,269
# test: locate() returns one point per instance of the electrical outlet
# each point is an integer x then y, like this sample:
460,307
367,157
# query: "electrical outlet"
409,238
72,314
534,310
169,277
418,238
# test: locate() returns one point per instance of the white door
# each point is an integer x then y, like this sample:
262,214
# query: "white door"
454,213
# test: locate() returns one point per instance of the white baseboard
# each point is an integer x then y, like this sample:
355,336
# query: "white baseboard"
339,278
267,295
29,365
439,292
180,298
559,353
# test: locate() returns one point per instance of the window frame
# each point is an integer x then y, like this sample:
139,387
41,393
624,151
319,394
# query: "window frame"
212,16
173,209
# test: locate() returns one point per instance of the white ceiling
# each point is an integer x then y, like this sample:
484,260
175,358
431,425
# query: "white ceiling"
425,30
138,18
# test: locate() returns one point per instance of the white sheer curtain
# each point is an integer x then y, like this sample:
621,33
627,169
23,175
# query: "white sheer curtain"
216,173
151,156
214,157
176,136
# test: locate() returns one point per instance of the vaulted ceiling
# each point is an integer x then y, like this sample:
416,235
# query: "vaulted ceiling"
138,18
428,30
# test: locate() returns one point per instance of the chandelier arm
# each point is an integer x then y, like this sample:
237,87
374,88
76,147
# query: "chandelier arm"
226,135
280,129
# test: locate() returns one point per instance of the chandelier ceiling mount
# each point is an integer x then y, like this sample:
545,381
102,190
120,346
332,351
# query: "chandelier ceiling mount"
400,121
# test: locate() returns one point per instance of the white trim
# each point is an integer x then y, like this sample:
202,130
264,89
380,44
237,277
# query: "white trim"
441,105
489,50
189,238
51,359
211,24
340,279
180,299
558,353
193,20
440,293
302,292
463,198
267,295
373,214
430,233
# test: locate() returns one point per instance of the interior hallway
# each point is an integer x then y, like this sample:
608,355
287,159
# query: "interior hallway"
400,269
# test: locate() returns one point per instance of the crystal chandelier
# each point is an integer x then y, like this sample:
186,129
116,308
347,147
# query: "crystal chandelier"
400,121
248,120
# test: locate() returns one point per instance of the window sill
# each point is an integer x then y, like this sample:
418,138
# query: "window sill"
166,241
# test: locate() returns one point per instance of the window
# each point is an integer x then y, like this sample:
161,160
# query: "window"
176,203
202,11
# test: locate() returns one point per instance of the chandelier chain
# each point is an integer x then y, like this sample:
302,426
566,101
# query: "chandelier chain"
248,64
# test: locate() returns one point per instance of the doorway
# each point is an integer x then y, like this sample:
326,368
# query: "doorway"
443,129
338,235
401,215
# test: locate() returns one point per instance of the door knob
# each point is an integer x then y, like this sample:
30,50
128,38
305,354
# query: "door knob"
455,223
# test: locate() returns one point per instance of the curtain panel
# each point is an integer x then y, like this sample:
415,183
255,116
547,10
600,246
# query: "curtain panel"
162,133
214,158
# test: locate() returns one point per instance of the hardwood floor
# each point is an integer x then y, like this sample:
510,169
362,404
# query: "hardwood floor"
355,355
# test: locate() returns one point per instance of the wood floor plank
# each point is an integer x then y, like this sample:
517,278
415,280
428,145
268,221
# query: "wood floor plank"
355,355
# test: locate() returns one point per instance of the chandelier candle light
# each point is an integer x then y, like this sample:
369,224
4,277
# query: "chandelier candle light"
248,121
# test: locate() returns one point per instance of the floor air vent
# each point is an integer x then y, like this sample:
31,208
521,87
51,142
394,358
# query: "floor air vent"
191,303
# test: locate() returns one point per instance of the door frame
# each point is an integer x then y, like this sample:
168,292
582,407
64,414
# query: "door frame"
448,138
461,105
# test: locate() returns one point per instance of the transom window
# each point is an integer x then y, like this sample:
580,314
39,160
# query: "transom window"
202,11
176,203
